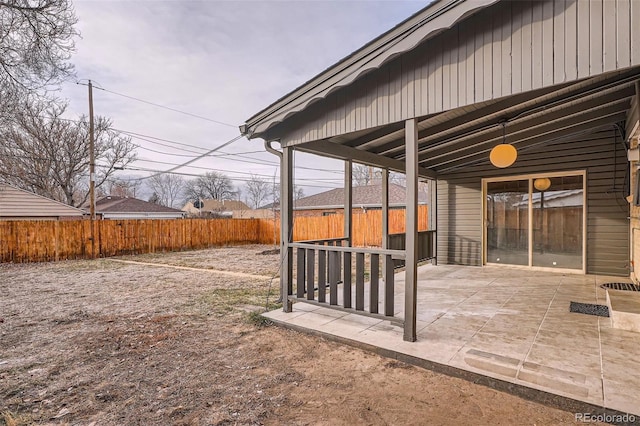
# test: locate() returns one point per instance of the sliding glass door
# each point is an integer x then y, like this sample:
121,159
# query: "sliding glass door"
535,220
508,222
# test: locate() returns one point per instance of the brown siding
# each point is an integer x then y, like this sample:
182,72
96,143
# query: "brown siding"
460,201
505,49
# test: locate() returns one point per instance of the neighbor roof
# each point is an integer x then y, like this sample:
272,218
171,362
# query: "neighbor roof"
433,19
111,204
362,196
18,203
218,205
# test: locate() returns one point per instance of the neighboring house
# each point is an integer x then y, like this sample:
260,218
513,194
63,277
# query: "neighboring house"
216,208
364,198
18,204
451,94
252,214
131,208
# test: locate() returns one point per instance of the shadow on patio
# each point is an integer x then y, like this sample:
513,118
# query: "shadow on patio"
507,324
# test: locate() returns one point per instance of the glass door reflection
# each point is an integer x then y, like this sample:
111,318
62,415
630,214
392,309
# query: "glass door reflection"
507,221
557,211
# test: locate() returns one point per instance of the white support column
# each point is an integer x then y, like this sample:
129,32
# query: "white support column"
411,230
348,202
286,227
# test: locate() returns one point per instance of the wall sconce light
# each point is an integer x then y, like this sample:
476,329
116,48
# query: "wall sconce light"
504,154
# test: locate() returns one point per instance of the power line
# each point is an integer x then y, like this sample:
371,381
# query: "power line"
162,106
144,137
193,160
233,179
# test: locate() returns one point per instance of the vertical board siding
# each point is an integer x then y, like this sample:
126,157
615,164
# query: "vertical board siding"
505,49
570,40
460,202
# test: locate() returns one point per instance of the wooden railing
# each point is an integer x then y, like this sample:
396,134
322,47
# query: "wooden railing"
326,264
426,245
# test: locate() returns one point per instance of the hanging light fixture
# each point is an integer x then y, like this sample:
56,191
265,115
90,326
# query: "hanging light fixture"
504,154
542,184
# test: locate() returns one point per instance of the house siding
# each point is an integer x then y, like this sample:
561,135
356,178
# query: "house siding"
16,204
505,49
460,201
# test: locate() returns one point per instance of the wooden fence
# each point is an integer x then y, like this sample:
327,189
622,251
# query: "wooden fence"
42,241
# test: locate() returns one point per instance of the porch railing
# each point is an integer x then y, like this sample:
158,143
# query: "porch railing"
332,275
426,245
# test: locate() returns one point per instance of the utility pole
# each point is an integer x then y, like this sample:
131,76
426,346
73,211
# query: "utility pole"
92,159
92,171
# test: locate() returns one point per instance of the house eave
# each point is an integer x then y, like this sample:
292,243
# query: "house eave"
437,17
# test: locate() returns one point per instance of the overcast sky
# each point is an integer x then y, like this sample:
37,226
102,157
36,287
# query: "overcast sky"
221,60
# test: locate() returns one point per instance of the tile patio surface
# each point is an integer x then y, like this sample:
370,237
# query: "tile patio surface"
508,324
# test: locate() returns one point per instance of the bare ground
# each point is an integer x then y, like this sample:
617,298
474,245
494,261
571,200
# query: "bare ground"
108,343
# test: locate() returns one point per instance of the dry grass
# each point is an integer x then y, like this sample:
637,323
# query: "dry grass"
106,343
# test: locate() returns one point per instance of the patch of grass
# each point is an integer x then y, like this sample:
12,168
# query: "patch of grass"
222,301
258,320
9,419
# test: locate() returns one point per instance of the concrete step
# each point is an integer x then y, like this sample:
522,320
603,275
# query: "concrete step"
624,309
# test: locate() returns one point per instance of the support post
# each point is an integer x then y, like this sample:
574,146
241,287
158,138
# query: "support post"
286,227
433,217
411,230
385,217
348,202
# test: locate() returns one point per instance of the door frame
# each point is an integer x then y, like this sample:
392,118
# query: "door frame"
530,178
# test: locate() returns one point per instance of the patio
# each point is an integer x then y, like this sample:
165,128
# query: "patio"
508,324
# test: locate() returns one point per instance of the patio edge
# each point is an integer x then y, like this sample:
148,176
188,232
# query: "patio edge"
546,398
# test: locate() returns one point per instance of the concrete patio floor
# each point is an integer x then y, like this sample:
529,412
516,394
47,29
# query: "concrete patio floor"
508,324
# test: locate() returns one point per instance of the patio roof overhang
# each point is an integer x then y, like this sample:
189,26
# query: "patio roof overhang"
458,138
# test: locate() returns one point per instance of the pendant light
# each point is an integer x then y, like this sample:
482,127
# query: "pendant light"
504,154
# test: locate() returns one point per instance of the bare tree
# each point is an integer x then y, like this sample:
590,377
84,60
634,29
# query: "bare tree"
36,42
168,188
257,190
298,192
364,175
48,155
119,187
211,185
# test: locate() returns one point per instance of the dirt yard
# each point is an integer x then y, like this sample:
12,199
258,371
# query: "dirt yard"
111,343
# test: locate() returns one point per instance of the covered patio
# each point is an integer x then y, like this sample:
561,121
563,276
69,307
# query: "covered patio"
511,325
556,85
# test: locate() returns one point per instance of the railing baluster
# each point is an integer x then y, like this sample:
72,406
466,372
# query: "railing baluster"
388,287
373,295
346,281
311,265
300,265
359,281
334,275
322,275
339,244
329,244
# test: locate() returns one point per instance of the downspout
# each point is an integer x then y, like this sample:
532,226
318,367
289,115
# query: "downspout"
272,150
283,253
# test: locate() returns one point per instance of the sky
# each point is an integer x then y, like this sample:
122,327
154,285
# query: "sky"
220,60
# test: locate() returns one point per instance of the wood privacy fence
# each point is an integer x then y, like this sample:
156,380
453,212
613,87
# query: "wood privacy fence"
42,241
